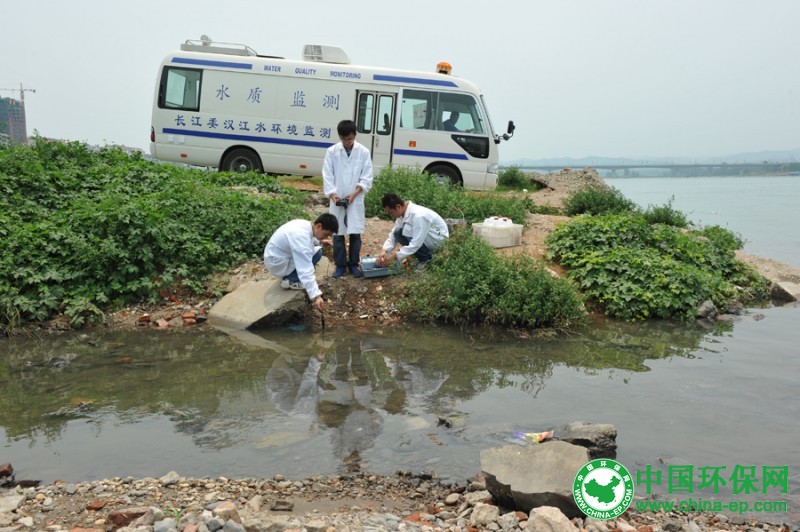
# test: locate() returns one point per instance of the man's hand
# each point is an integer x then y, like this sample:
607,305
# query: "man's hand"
327,242
384,258
319,304
334,198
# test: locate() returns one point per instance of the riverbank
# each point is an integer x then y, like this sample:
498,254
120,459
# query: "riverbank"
354,501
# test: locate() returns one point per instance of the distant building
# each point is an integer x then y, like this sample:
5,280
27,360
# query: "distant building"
12,121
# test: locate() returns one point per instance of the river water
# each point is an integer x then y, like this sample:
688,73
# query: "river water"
102,404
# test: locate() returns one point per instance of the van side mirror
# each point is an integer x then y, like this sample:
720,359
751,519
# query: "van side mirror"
510,131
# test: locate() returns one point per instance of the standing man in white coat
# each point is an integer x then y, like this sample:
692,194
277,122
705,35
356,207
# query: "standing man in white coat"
347,177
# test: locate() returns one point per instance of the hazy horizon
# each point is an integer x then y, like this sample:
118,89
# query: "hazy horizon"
579,78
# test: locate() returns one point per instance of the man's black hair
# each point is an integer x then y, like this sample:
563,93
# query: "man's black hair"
391,200
328,221
346,128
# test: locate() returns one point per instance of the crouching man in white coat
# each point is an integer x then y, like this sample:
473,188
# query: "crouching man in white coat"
417,229
293,251
347,177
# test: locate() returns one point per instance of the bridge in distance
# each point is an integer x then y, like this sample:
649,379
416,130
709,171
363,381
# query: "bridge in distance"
678,168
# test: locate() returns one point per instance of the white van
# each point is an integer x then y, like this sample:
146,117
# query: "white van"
222,105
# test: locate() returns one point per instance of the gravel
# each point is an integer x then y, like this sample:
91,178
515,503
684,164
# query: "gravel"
358,501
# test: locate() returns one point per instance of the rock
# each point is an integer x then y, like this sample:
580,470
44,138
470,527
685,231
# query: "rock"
6,470
707,310
10,502
150,517
452,499
474,497
599,438
548,519
784,291
227,510
165,525
594,525
484,514
120,518
541,475
95,506
508,521
316,525
624,526
170,478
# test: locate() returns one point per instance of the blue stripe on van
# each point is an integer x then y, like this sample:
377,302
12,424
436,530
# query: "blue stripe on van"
206,62
249,138
436,154
420,81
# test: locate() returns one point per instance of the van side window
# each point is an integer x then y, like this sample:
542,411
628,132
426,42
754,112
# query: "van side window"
385,114
180,89
416,111
364,121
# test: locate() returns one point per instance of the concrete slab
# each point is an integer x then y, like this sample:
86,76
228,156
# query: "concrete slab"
786,291
260,304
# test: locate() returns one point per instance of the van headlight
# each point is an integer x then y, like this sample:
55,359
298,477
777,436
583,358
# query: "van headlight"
492,168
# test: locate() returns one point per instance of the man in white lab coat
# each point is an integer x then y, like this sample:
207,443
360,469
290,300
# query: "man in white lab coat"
419,230
294,249
347,177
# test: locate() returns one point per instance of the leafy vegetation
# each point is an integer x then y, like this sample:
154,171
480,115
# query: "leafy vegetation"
596,201
448,201
468,282
665,214
84,230
636,270
512,178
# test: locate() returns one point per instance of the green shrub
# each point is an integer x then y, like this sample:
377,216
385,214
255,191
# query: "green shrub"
596,201
665,214
91,229
635,270
448,201
721,238
512,178
469,283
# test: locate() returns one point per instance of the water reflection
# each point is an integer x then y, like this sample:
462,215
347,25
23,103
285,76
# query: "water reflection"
303,404
346,387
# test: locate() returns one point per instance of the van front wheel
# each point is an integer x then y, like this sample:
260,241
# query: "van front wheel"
241,160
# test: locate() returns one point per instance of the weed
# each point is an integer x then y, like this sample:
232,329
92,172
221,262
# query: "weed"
468,283
423,189
635,270
512,178
88,229
596,201
665,214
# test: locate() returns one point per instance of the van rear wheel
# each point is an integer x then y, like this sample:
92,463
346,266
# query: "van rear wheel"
445,173
241,160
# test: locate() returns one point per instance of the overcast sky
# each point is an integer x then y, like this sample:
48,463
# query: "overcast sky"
636,78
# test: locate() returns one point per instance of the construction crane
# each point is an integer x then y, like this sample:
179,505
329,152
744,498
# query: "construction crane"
22,92
16,126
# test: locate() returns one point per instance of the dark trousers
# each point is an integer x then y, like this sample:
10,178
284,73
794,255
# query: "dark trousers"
340,255
294,278
423,254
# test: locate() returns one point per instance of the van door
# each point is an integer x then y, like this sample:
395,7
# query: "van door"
375,125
